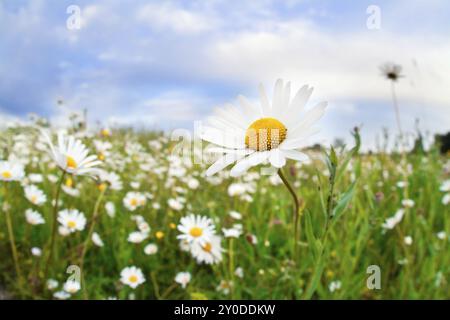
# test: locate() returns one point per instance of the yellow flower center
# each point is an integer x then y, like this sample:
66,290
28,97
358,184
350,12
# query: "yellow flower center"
265,134
196,232
102,187
6,174
207,247
70,162
105,132
33,199
133,202
159,234
71,224
133,278
69,182
101,156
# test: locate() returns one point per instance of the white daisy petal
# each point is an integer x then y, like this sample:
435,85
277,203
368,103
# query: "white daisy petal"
295,155
252,160
223,162
311,116
222,138
266,110
277,158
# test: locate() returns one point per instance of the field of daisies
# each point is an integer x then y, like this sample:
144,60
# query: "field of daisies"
104,213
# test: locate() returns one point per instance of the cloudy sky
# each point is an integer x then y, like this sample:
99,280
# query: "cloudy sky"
165,64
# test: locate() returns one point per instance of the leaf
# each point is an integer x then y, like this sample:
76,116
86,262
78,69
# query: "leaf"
343,201
310,235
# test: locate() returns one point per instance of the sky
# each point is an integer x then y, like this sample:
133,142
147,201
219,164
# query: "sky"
166,64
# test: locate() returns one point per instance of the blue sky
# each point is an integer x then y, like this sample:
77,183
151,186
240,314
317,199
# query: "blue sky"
165,64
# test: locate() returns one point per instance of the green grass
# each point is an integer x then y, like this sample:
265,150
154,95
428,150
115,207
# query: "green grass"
338,250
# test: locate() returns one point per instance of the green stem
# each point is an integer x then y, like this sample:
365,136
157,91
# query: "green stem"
86,243
54,226
13,243
231,266
296,213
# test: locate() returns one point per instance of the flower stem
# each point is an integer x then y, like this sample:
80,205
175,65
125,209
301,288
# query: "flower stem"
95,216
55,222
13,243
231,266
296,213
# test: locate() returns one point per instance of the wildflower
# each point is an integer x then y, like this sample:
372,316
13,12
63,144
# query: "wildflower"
159,235
408,203
11,171
446,199
73,220
391,71
175,204
97,240
137,237
132,276
71,155
110,209
72,286
251,136
34,217
112,179
239,272
134,200
193,183
394,220
445,186
235,215
52,284
150,249
183,278
35,251
252,239
232,232
61,295
35,195
335,285
408,240
209,253
441,235
224,287
196,229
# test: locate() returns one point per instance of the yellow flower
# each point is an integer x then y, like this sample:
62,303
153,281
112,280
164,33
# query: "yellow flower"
159,235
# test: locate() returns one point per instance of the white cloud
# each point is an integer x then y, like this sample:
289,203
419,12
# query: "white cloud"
166,16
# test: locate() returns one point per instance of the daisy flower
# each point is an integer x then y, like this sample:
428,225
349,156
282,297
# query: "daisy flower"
71,286
35,251
208,253
251,136
196,228
137,237
73,220
112,179
132,276
97,240
391,71
11,171
150,249
71,155
394,220
52,284
183,278
34,217
61,295
133,200
232,232
35,195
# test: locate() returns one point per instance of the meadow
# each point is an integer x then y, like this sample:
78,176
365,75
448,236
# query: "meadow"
357,210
